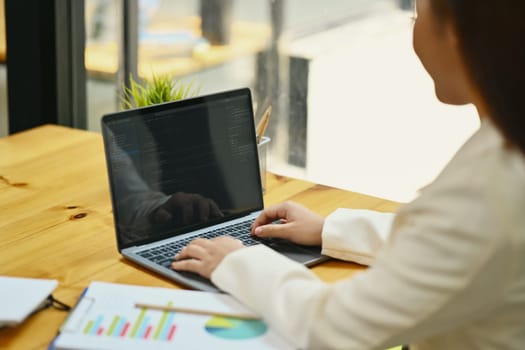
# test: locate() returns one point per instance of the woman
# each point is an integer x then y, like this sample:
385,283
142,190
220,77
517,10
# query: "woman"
452,275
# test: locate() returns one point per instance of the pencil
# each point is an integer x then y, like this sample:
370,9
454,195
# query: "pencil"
263,123
197,312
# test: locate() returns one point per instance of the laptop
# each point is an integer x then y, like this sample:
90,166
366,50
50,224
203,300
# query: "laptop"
182,170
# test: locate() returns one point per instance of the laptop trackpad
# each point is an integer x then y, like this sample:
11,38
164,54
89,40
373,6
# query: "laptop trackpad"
306,256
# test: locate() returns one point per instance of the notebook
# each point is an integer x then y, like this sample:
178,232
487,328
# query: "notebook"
182,170
20,297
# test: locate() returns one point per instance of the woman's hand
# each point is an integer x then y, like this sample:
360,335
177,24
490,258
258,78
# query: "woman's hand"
299,225
202,256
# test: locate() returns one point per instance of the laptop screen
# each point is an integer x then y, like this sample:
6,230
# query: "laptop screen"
182,165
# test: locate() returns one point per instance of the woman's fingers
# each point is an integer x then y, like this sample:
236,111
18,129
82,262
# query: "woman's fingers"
271,214
192,265
196,249
202,256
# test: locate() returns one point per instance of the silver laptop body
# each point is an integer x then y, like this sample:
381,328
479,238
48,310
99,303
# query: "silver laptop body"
182,170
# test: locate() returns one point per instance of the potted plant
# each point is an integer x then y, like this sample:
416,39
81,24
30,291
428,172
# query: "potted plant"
159,89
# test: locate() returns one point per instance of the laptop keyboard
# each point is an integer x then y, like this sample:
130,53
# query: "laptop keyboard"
163,255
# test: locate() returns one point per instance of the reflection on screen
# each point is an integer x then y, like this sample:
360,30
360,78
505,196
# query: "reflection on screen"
181,165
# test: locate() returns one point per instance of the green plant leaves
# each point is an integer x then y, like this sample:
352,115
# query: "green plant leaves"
159,89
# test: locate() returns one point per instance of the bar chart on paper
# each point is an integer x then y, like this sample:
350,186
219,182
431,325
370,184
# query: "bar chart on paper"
151,325
107,317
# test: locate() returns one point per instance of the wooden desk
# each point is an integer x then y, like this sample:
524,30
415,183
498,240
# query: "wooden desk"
56,221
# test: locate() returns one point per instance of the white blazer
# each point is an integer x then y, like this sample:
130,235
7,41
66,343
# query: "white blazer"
450,276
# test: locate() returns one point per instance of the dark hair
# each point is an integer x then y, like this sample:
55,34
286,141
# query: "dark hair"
491,35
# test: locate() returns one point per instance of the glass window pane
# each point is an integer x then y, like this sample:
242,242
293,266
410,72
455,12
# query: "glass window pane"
350,100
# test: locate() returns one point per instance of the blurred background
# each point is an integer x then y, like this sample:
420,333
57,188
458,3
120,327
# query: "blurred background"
352,106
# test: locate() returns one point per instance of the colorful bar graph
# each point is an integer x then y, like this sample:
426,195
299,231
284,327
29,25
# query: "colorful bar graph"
96,325
87,329
163,320
167,328
138,323
148,324
143,327
113,325
172,332
147,332
120,326
125,329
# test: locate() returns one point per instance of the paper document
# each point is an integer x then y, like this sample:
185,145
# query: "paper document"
106,318
19,297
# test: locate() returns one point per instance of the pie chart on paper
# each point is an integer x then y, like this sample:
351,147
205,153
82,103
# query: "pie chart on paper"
235,329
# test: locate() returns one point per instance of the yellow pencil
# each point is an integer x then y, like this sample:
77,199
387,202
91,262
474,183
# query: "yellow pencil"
263,123
197,312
